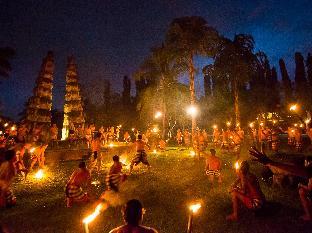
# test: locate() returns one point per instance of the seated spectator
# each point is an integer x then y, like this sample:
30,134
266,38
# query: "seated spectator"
305,191
133,215
246,189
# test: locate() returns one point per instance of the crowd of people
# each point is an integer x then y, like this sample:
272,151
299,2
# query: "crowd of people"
18,142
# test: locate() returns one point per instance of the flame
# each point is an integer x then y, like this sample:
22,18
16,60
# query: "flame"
293,107
251,125
215,126
158,114
195,207
237,165
192,153
32,150
39,175
123,160
96,182
295,125
92,216
6,124
301,126
228,123
261,124
274,121
133,129
111,145
13,128
155,129
307,121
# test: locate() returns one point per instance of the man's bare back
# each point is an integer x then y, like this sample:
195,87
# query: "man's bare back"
133,229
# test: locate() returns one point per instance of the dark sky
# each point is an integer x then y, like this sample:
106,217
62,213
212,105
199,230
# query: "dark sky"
109,38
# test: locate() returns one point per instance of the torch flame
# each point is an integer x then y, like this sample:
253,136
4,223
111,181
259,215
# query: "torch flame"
111,145
6,124
157,115
228,123
192,153
32,150
154,151
237,165
92,216
293,107
39,174
214,126
251,125
195,207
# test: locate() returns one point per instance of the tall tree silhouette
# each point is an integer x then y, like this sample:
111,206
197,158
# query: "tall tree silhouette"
126,93
236,62
5,55
309,68
286,83
208,72
191,36
301,90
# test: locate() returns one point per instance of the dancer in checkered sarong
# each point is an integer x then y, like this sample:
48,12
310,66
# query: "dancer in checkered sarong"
115,175
141,156
213,166
73,191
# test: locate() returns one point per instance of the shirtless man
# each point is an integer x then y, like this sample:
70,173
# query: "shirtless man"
38,156
7,172
141,155
213,166
246,189
95,148
133,215
305,191
74,193
115,175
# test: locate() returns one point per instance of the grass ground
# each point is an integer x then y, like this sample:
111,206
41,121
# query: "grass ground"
175,180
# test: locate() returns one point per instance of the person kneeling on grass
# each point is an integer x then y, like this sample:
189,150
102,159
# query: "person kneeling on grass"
132,214
246,189
74,192
305,191
213,166
115,175
141,155
8,170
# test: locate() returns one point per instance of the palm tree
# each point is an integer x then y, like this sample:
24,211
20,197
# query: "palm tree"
189,37
160,70
235,61
5,55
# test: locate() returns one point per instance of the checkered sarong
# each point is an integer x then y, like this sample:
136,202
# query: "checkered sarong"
140,156
112,181
74,191
215,173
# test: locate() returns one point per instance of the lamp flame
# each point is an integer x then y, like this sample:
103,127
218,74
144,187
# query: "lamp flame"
192,110
195,207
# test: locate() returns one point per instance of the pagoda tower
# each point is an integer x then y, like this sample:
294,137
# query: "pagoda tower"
73,110
38,109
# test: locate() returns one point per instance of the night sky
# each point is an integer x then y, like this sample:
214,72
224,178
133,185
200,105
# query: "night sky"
110,38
